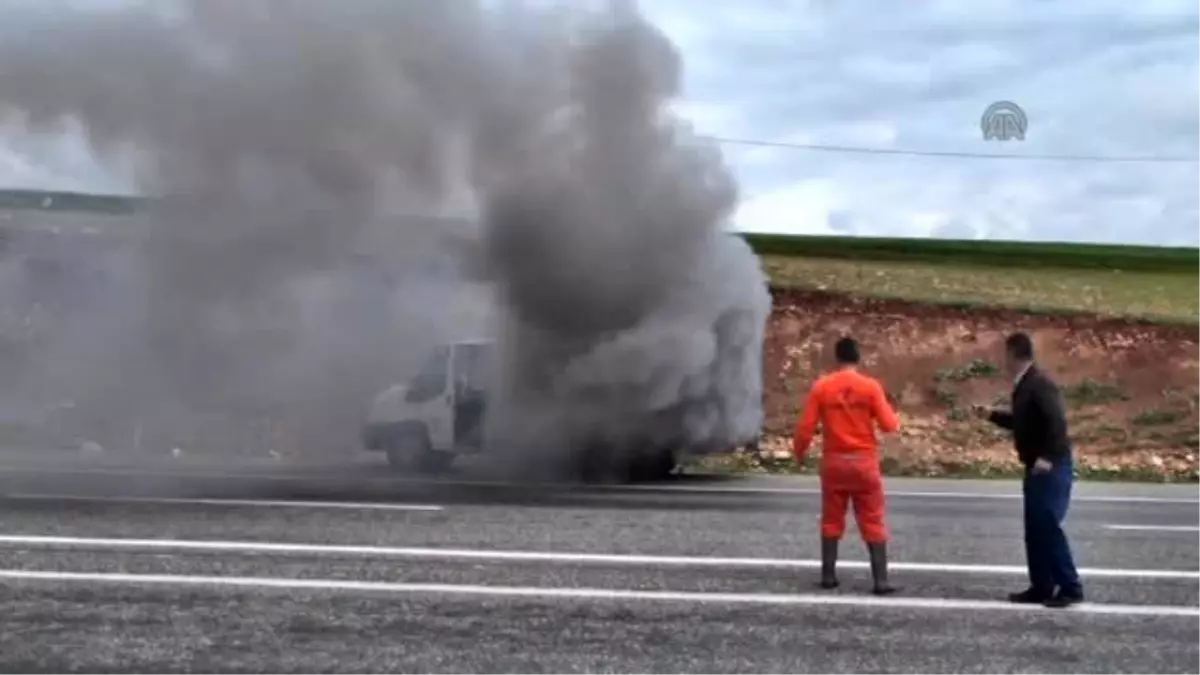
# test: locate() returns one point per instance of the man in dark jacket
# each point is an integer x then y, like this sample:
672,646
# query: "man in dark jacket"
1038,421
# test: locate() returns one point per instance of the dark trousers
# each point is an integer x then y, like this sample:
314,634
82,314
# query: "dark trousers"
1047,551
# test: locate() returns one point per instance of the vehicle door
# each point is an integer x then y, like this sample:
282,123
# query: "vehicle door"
470,366
432,397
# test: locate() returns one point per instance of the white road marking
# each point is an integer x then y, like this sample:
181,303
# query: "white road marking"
1154,528
290,548
696,489
589,593
382,506
918,494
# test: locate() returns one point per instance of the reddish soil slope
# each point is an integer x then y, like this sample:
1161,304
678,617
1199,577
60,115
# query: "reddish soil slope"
1131,387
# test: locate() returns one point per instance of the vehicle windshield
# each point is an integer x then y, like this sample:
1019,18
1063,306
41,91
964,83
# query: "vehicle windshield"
473,363
430,381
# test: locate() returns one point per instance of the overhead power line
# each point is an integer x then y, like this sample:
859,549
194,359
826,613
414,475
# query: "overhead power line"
950,153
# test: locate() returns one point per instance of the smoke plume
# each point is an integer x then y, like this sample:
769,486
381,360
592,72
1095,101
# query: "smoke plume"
347,184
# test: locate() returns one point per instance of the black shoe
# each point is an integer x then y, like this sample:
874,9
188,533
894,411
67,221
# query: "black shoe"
1030,596
1065,599
879,569
829,555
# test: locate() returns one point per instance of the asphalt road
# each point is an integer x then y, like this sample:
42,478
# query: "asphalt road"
346,569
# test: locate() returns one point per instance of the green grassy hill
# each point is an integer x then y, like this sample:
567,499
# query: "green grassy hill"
1019,254
1160,283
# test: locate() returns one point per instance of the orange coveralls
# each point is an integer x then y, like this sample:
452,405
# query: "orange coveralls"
847,404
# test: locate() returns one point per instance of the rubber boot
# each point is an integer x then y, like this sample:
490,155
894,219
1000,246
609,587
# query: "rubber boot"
879,568
829,555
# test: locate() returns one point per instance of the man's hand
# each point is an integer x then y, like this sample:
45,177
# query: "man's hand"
983,412
1042,466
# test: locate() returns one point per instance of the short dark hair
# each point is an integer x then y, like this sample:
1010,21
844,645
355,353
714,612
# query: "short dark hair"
1019,346
846,350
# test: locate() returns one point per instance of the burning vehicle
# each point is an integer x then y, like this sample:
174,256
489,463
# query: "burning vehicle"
441,412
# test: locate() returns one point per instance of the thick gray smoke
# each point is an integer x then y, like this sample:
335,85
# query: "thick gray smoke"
296,139
635,321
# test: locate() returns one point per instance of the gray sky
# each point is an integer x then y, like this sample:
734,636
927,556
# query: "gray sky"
1102,77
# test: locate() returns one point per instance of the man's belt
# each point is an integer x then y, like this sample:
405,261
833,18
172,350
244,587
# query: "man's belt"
830,452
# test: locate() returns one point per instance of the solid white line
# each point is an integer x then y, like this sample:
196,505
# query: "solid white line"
382,506
918,494
696,489
289,548
1154,528
590,593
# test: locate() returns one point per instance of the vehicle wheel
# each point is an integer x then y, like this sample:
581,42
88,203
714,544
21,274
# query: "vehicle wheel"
593,465
409,450
399,453
434,461
655,466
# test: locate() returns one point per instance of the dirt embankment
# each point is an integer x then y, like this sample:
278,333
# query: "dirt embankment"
1131,387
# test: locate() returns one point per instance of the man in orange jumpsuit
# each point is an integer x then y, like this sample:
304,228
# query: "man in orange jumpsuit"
848,405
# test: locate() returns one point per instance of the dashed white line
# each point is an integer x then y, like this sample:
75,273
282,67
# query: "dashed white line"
253,503
290,548
594,594
1154,528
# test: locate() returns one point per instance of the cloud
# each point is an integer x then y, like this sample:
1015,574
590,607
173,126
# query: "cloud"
1101,78
1106,77
60,162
